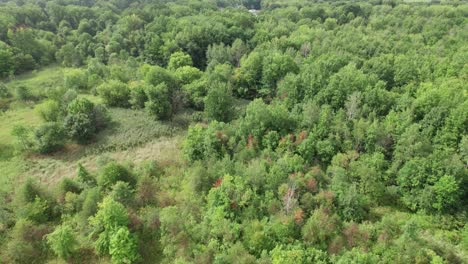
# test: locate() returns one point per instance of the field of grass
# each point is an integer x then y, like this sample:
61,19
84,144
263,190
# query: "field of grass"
132,135
39,81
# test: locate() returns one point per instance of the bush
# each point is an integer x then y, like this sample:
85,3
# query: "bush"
114,93
122,193
76,79
49,137
80,127
85,177
159,104
138,95
123,247
4,93
219,102
67,185
22,93
194,145
25,245
62,241
84,119
112,173
49,110
38,211
179,59
23,137
90,204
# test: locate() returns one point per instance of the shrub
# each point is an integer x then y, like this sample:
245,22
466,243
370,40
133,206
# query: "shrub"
90,204
49,110
179,59
67,185
49,137
159,104
22,93
219,102
123,247
76,79
38,211
156,75
4,93
194,146
80,127
109,218
62,241
122,193
146,191
138,95
23,137
84,119
85,177
114,93
187,74
25,245
112,173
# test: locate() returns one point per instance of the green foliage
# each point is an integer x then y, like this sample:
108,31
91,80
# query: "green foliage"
344,123
297,254
123,247
159,104
219,102
110,217
84,119
178,60
112,173
114,93
122,192
6,60
22,93
49,110
62,241
194,143
138,95
76,79
446,191
49,137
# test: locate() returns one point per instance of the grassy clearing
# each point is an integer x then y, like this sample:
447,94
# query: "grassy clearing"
133,136
50,169
39,81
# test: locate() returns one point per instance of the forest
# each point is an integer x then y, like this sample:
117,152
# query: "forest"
234,131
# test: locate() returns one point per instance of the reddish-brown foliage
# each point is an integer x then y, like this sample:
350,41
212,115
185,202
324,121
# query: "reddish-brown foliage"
312,184
218,182
299,216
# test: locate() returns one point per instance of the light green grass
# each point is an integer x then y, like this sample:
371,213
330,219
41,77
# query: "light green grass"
39,81
22,116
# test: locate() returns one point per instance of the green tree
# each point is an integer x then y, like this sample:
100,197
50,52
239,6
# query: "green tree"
62,241
80,121
123,247
49,137
110,217
6,60
179,59
219,102
194,148
159,101
49,111
114,93
114,172
447,193
76,79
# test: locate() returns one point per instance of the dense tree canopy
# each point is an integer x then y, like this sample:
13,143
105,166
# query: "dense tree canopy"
313,131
